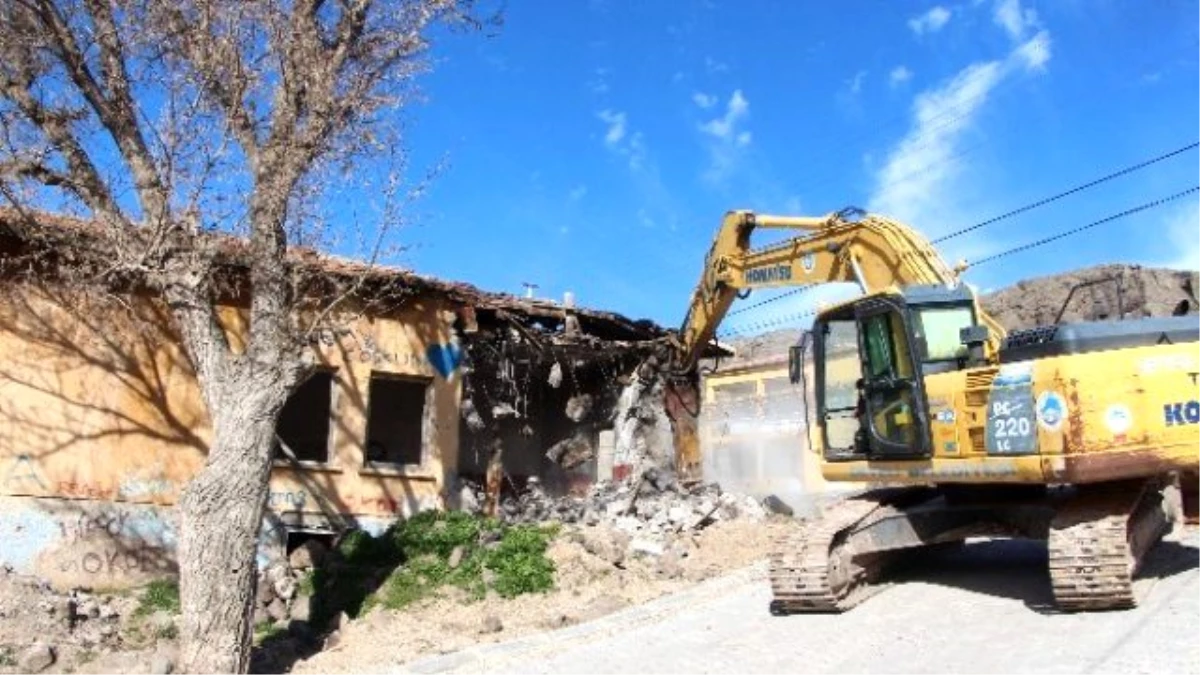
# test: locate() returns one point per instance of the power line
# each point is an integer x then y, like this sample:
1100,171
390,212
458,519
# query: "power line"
781,296
1067,233
1077,188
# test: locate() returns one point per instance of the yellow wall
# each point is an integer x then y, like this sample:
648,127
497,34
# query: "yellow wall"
98,404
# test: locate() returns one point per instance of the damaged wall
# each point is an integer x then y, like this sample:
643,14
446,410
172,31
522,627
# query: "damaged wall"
100,414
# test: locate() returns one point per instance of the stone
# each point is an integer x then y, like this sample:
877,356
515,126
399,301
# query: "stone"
332,640
266,591
89,608
161,664
301,608
492,624
555,378
456,557
646,547
108,612
669,565
308,555
285,587
468,501
774,504
277,610
36,658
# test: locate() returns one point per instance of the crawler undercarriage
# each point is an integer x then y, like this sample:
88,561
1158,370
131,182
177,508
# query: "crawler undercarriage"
1097,536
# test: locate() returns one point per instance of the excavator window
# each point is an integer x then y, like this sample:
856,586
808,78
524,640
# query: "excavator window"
940,327
888,386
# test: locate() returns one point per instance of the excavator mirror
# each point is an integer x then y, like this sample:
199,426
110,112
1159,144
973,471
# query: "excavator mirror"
795,363
796,358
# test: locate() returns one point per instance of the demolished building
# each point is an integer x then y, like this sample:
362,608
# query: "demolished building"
102,423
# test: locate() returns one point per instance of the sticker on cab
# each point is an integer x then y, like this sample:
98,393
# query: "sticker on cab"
1118,418
1051,411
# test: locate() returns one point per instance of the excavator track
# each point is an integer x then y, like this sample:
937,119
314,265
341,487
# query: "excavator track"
1096,545
811,571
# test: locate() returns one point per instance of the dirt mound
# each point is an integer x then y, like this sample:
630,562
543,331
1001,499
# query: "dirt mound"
597,572
1142,292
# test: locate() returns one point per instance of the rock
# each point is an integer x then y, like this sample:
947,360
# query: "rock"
301,608
285,587
578,407
108,612
646,547
266,590
774,504
469,501
555,378
89,608
492,624
277,611
308,555
669,565
161,664
456,557
332,640
36,658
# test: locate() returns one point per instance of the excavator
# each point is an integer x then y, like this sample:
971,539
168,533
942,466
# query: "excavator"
1076,434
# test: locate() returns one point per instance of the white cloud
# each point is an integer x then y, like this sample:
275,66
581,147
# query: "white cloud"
910,185
931,21
920,182
1183,235
899,75
599,84
704,100
1035,52
714,66
855,83
578,192
727,138
616,126
1016,21
725,127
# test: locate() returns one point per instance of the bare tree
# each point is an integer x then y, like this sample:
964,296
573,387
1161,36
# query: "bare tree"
175,127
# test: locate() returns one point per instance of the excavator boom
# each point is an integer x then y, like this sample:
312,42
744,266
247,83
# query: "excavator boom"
848,246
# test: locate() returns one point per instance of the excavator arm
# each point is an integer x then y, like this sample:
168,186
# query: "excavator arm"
873,251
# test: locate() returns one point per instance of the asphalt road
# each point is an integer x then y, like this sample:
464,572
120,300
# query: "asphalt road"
985,608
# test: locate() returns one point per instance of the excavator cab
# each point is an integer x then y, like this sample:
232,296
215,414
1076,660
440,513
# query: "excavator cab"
870,358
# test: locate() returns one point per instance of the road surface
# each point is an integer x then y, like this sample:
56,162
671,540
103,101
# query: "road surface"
981,609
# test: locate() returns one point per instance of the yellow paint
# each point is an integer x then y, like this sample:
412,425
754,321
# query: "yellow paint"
1116,421
95,404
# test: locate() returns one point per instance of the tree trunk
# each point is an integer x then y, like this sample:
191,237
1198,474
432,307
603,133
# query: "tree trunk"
221,513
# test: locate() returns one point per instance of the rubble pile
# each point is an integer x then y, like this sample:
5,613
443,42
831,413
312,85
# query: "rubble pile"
656,507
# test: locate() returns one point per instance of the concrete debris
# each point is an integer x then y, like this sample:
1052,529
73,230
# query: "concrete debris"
572,451
37,658
555,378
776,505
492,624
504,411
664,508
471,416
579,406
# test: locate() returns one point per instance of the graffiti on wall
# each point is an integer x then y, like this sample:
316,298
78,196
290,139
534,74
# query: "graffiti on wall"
445,358
367,349
23,475
287,500
119,561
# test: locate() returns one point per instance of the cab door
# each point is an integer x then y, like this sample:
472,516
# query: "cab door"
895,413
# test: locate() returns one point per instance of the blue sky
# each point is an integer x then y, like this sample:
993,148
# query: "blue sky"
593,146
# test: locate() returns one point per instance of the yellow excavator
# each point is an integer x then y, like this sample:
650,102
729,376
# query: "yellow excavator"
1076,434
